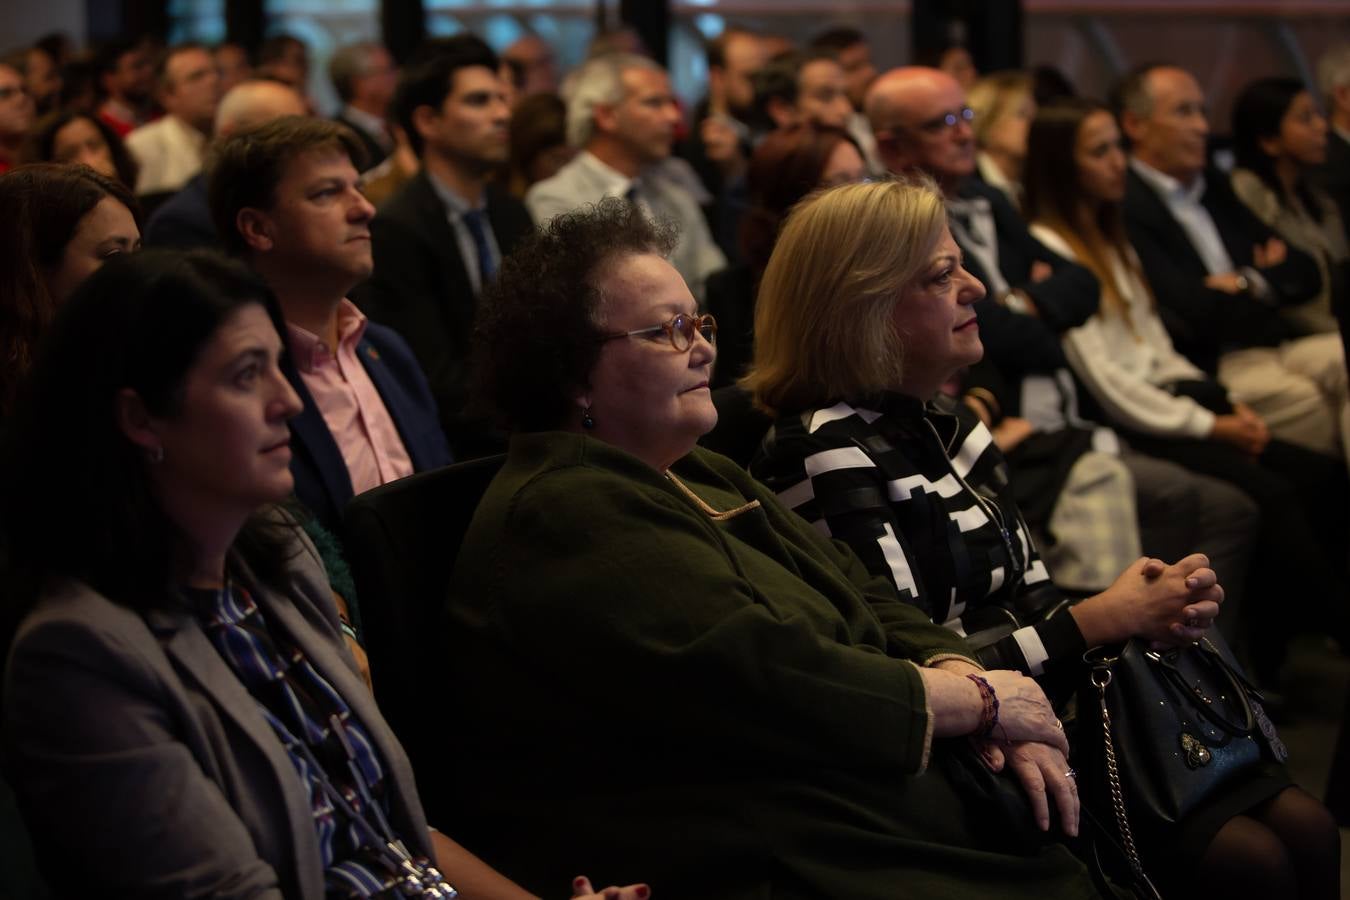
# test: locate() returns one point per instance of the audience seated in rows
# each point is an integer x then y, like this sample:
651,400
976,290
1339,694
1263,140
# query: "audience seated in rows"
622,115
61,223
216,737
1072,469
441,238
798,88
286,197
184,220
1221,276
1167,407
858,396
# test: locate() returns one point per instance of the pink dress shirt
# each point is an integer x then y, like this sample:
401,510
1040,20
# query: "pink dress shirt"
351,406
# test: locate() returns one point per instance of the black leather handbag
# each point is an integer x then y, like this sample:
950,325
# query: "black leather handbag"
1163,731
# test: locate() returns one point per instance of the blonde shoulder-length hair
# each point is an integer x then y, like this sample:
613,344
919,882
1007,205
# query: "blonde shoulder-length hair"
824,315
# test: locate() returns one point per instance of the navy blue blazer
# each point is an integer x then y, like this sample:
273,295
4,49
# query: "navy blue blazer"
321,480
184,220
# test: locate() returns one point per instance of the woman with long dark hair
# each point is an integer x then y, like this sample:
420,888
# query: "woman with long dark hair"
70,136
60,223
1279,134
181,715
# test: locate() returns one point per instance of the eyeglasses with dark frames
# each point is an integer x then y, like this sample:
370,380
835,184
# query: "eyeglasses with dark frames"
946,121
680,330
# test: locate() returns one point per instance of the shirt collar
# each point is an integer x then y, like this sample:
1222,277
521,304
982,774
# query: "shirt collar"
1167,185
307,349
368,122
616,183
453,201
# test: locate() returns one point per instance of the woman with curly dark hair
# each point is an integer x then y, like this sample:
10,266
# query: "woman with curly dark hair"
70,136
766,706
60,223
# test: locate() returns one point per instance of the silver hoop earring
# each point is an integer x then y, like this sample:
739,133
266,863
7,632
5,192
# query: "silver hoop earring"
586,421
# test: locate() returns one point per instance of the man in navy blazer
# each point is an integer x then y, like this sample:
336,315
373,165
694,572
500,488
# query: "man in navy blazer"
285,196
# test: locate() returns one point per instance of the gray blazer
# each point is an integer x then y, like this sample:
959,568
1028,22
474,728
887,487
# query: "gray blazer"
143,765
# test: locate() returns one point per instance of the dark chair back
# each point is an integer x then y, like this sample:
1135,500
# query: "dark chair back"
740,426
401,541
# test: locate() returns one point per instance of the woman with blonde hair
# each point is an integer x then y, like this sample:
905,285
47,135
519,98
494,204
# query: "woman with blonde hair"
1004,106
855,344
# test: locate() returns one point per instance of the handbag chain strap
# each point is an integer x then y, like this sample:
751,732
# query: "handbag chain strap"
1101,677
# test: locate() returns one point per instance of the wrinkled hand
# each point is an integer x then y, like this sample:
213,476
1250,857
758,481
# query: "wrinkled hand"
1040,270
1011,432
1024,713
1271,253
1165,604
582,890
1044,773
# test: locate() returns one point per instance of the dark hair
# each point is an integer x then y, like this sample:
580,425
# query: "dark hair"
538,123
430,77
838,39
778,80
539,331
43,206
80,85
1257,114
77,500
244,169
1053,196
41,143
1049,84
786,166
166,56
274,48
109,53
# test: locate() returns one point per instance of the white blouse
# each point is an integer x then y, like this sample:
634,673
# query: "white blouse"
1125,362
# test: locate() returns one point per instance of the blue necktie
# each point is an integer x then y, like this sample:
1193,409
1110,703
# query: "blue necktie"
487,266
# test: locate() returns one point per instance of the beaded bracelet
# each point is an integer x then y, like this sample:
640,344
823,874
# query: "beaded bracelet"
989,721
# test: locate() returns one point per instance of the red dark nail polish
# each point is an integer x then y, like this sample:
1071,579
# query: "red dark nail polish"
642,892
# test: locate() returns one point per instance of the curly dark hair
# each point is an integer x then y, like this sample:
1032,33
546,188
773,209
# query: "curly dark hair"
539,331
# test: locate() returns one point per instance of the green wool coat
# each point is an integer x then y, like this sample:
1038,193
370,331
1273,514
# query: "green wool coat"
714,699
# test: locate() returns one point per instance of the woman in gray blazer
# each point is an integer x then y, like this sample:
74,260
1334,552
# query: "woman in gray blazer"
181,715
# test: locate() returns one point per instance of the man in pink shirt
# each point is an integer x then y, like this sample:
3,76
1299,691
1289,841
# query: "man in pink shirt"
285,197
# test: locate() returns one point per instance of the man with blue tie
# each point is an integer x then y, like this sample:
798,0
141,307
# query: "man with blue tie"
441,238
285,197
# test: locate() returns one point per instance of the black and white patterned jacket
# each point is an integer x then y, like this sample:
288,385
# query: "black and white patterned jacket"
921,494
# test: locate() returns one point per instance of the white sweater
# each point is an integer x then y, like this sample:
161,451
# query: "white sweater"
1125,365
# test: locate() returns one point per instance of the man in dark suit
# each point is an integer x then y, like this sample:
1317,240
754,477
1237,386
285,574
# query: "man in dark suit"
364,76
285,197
184,220
442,237
1220,275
